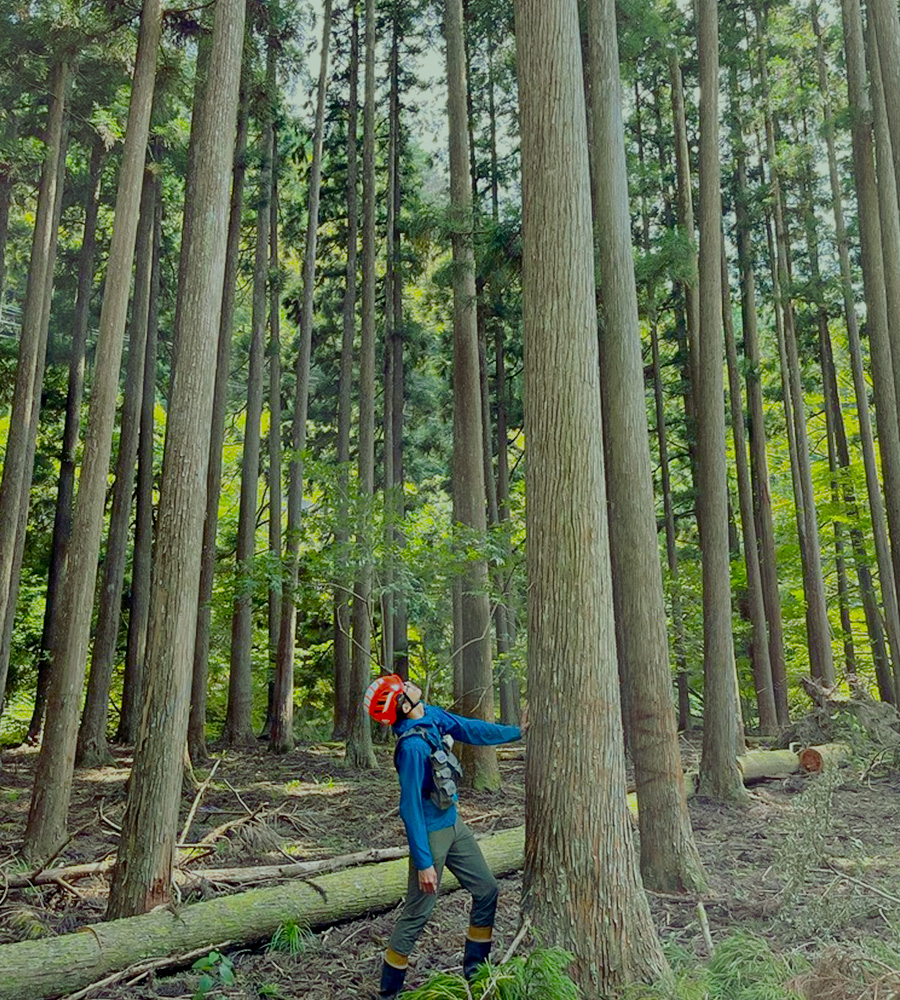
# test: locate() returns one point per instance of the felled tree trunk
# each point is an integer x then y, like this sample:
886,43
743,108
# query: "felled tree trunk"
33,970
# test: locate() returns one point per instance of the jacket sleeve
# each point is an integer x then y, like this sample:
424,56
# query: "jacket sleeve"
477,732
412,760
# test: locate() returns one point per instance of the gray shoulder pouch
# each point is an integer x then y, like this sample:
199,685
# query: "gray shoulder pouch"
446,770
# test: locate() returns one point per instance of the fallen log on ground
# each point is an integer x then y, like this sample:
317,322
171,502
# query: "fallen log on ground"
53,967
824,757
757,765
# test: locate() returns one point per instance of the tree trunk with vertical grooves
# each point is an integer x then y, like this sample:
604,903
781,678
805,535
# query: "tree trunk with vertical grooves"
92,749
276,498
282,735
6,188
669,858
62,520
197,724
874,285
143,874
884,24
762,666
239,713
759,463
359,741
867,445
139,615
468,468
16,471
576,813
53,777
719,775
343,603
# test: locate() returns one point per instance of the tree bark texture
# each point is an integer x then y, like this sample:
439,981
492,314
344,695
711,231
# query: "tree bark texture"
143,874
581,887
197,724
141,566
669,858
468,469
359,742
719,777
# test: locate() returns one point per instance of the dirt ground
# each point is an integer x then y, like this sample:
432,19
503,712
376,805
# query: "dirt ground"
812,864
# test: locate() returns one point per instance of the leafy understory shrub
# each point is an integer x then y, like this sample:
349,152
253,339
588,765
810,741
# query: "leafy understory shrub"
216,970
542,975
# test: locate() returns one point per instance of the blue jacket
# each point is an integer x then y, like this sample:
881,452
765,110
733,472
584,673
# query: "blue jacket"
419,814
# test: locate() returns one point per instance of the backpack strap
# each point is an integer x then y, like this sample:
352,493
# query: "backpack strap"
423,731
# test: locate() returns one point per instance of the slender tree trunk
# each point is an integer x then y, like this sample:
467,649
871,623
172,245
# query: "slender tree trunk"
359,741
139,616
65,491
239,713
197,724
92,748
276,499
576,814
16,480
759,463
343,603
884,25
282,737
143,875
719,775
669,858
6,189
468,469
762,666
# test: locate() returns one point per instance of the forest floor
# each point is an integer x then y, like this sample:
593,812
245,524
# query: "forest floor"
812,865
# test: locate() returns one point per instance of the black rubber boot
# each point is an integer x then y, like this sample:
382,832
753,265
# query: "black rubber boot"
476,952
392,980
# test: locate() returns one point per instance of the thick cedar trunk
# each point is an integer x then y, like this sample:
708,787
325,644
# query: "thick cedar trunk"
669,858
759,464
343,603
468,468
719,777
92,748
197,724
143,873
65,491
762,666
576,813
884,22
17,471
239,713
282,735
139,612
359,742
53,778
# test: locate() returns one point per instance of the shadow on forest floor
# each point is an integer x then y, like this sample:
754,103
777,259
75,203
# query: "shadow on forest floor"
811,864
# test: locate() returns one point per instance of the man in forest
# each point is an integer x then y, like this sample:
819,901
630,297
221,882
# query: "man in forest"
429,773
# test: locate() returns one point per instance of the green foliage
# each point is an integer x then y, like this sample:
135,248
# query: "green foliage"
293,938
744,967
215,970
542,975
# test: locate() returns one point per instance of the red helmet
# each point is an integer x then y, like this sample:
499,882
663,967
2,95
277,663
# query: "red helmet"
382,696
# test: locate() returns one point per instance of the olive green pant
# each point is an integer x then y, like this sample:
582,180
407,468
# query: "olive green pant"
456,848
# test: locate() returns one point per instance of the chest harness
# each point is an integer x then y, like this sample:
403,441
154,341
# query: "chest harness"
446,770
